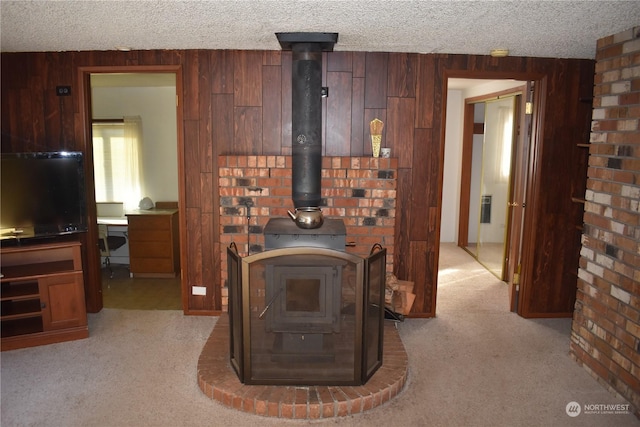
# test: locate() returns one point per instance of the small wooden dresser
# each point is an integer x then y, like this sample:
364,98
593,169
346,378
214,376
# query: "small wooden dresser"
154,249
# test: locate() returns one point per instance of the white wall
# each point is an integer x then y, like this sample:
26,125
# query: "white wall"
157,108
491,86
452,167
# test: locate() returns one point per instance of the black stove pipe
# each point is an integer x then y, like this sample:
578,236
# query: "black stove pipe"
306,124
306,108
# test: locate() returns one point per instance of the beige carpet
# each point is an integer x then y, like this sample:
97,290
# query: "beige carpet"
476,364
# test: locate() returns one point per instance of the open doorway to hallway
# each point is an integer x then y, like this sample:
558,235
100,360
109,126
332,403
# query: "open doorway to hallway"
483,123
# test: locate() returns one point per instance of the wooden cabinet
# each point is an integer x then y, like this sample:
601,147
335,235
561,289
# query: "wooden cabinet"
154,250
42,295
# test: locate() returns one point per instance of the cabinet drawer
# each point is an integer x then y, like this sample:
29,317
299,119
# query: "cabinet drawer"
149,235
151,265
149,250
149,222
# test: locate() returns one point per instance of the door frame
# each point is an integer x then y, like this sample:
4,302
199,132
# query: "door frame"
92,267
532,186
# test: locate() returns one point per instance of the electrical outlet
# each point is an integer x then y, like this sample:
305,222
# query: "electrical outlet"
198,290
63,90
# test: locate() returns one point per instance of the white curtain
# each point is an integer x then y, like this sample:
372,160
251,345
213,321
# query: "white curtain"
134,171
118,168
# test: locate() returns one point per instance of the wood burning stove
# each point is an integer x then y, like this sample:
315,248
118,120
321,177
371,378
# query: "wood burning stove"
306,315
304,311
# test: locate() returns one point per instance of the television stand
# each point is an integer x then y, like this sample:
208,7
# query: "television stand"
42,295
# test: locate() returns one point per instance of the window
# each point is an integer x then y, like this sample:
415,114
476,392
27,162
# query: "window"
118,161
505,119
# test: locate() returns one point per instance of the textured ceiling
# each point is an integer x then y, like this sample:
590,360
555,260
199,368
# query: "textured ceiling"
558,29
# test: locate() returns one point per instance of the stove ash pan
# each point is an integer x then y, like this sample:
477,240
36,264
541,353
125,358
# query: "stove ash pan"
283,233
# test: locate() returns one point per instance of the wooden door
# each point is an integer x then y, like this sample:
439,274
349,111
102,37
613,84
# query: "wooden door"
518,192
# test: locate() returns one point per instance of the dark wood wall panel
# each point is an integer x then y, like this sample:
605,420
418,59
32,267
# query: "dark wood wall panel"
222,124
340,61
425,89
193,191
272,57
204,112
375,95
418,260
210,261
272,109
221,72
400,132
403,68
239,102
359,64
358,139
194,255
338,114
247,84
191,85
286,102
247,131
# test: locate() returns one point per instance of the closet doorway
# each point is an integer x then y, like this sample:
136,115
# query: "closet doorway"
490,186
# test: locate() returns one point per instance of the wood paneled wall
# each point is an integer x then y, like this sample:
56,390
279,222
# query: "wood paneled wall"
239,102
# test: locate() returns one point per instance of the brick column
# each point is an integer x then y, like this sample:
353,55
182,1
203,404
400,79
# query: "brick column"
605,336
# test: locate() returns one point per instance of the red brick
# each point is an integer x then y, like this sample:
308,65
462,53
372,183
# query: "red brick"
604,42
301,399
630,98
367,402
271,397
314,404
355,398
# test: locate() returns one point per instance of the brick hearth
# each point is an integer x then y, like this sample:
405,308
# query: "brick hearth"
218,380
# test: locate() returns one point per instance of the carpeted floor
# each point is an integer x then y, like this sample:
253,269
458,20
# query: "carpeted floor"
475,364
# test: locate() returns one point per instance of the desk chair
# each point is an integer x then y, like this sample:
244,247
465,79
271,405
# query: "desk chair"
107,244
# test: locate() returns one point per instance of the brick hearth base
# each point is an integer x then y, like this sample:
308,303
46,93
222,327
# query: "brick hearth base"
217,380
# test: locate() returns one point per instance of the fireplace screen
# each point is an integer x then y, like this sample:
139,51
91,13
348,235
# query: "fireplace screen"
306,316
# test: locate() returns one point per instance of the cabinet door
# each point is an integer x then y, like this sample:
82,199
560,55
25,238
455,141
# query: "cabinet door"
63,302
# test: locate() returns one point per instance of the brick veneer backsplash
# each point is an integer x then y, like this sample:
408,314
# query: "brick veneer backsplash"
605,336
359,190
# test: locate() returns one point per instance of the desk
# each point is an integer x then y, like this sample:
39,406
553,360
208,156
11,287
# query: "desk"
113,220
117,226
154,249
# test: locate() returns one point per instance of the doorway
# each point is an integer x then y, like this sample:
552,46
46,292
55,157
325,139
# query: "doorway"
484,163
148,94
134,138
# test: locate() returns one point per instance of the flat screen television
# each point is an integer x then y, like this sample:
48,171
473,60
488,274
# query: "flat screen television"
42,194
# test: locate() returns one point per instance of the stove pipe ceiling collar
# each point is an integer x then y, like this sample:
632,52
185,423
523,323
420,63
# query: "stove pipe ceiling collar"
306,112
